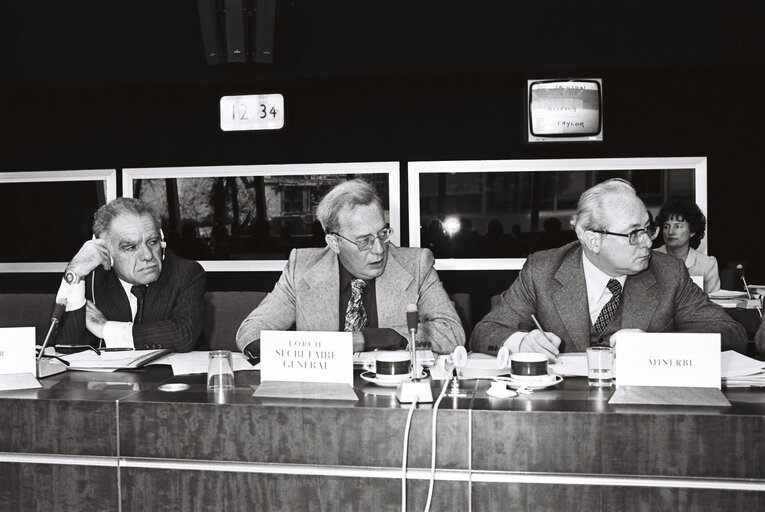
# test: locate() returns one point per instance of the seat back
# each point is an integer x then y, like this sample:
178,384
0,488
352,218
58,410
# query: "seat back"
462,303
27,310
225,312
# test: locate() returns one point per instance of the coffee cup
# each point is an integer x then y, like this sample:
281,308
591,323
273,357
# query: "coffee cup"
528,366
389,364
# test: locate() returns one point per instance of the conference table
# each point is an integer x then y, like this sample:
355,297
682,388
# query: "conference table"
122,441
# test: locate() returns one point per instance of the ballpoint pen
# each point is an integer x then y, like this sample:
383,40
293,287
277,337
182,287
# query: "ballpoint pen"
536,322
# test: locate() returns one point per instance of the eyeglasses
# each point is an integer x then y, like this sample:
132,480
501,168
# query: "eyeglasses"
365,243
651,232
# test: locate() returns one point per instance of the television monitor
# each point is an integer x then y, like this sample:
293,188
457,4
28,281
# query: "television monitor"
565,110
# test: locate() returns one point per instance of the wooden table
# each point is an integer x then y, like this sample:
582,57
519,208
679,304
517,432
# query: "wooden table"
97,441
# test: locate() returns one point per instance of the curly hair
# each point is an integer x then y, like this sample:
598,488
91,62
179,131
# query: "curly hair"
682,209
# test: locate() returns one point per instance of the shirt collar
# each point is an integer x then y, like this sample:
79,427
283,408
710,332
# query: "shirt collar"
596,279
127,287
346,277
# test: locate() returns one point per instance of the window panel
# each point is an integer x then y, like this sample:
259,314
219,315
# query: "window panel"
492,214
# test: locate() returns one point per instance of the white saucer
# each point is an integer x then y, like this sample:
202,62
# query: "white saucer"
388,381
549,380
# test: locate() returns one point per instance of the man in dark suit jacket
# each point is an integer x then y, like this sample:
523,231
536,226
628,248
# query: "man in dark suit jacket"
124,289
568,288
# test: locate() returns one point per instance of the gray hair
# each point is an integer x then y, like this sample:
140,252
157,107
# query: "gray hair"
590,214
104,216
349,194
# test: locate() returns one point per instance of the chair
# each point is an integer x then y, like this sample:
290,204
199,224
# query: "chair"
27,310
225,312
463,305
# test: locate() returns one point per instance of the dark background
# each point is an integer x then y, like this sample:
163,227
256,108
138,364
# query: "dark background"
88,84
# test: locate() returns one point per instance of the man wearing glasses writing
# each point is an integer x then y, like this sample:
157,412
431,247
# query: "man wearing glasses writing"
608,280
359,283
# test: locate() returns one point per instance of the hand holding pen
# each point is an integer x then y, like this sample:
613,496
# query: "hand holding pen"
540,341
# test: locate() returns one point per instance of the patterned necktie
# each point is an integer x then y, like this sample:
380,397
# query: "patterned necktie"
356,315
139,290
609,310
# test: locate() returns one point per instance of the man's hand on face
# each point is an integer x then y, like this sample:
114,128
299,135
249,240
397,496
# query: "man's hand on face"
92,254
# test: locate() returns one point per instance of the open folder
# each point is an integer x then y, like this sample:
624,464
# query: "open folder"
113,360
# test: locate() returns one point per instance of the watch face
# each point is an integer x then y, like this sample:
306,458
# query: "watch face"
70,277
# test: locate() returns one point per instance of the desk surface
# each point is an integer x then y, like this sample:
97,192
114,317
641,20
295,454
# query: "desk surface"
172,449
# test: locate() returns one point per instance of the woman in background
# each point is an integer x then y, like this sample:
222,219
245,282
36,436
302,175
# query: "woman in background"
683,226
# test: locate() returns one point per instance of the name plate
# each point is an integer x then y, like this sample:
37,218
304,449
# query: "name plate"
668,359
17,350
306,356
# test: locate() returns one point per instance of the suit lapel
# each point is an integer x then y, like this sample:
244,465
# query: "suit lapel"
320,294
394,282
571,302
639,305
113,302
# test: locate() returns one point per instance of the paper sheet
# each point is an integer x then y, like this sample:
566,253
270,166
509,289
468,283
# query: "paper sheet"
10,381
738,365
197,362
571,365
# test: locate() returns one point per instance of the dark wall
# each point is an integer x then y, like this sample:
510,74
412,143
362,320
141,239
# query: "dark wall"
114,84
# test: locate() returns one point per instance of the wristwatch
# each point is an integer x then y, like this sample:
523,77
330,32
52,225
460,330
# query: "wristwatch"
71,278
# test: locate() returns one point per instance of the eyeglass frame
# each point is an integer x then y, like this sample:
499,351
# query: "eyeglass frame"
377,236
635,233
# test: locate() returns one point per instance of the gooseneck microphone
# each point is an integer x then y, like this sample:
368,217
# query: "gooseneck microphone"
412,319
740,270
416,389
55,318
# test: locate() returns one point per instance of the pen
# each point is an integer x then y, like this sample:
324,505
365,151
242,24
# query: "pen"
116,349
536,322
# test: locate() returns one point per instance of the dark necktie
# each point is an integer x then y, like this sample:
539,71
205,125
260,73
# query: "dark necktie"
356,315
139,290
609,310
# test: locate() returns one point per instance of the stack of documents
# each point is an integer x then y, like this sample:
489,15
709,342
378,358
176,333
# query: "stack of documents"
727,298
112,360
424,357
740,371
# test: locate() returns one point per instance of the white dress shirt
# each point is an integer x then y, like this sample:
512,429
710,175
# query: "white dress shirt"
598,296
116,334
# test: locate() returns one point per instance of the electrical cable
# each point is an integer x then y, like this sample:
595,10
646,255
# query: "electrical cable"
433,445
406,449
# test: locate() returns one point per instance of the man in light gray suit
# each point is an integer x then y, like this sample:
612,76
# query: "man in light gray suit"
359,283
584,292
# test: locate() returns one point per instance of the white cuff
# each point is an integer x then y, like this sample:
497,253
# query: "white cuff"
73,293
118,334
513,343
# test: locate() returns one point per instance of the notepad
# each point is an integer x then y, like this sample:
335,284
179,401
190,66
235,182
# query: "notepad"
112,361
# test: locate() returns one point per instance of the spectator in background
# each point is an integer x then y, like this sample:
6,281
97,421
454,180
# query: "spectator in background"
683,226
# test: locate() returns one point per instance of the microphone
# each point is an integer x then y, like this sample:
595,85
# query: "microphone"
411,323
416,390
412,317
47,367
740,269
55,318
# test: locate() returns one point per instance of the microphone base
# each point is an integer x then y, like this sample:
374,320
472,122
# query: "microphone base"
409,391
47,367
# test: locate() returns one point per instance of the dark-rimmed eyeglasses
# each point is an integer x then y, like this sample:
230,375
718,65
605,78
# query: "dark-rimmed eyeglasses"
365,243
634,236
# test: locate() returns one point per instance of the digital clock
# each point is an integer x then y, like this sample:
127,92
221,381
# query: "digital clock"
252,112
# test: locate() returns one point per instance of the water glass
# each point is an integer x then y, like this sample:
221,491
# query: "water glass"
600,366
220,371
